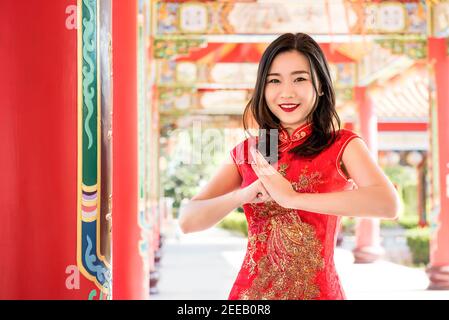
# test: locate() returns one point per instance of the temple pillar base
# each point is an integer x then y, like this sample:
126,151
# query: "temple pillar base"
439,277
368,254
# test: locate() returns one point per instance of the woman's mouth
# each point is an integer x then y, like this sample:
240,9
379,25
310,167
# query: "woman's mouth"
289,107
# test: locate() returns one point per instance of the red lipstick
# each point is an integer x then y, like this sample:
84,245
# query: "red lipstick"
289,107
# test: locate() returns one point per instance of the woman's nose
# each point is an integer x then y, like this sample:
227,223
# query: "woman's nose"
287,92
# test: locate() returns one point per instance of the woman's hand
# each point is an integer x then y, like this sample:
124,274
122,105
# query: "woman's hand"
279,188
254,193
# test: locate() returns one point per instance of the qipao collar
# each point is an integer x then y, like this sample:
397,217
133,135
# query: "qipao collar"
286,141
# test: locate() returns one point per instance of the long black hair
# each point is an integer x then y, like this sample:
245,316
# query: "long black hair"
323,116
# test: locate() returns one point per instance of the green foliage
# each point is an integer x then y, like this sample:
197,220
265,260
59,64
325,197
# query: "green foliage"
389,224
410,196
183,179
418,242
348,225
408,221
401,175
405,222
235,221
405,180
181,182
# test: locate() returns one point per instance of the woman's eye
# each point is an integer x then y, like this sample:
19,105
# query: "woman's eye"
300,79
273,81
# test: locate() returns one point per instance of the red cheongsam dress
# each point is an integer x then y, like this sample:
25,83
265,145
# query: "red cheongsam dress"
290,253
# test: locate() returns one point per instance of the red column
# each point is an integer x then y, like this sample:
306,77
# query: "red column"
38,161
128,268
438,269
422,194
368,248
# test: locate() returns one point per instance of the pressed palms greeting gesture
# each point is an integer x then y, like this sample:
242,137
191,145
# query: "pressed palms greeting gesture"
278,188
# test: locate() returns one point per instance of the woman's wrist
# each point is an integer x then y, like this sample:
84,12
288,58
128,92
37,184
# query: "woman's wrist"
292,200
238,196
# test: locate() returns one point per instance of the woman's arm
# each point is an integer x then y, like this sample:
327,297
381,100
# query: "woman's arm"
375,196
218,198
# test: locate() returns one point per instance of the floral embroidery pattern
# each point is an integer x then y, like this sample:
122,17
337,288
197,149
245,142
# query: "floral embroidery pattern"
282,168
293,256
307,183
293,252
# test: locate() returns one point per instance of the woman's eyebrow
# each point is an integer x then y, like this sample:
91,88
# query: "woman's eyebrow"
293,73
299,72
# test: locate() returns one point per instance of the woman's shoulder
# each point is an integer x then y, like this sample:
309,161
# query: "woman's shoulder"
345,133
344,136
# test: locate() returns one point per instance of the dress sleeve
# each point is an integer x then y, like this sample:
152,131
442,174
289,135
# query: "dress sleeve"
240,155
235,155
344,138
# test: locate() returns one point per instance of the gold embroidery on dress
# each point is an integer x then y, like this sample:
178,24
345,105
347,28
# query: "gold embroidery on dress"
282,168
293,252
307,182
293,257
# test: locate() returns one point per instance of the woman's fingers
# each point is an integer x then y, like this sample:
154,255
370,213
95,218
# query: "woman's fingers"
263,199
262,162
262,175
265,194
262,194
260,172
262,165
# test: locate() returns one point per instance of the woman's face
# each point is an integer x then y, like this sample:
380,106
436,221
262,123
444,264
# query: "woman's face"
289,91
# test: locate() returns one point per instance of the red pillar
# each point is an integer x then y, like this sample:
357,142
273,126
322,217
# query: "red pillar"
422,192
438,269
128,267
38,161
368,245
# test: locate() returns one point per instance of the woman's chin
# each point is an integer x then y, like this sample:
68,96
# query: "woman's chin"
290,123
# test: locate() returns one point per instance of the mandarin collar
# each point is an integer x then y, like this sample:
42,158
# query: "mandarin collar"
300,133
